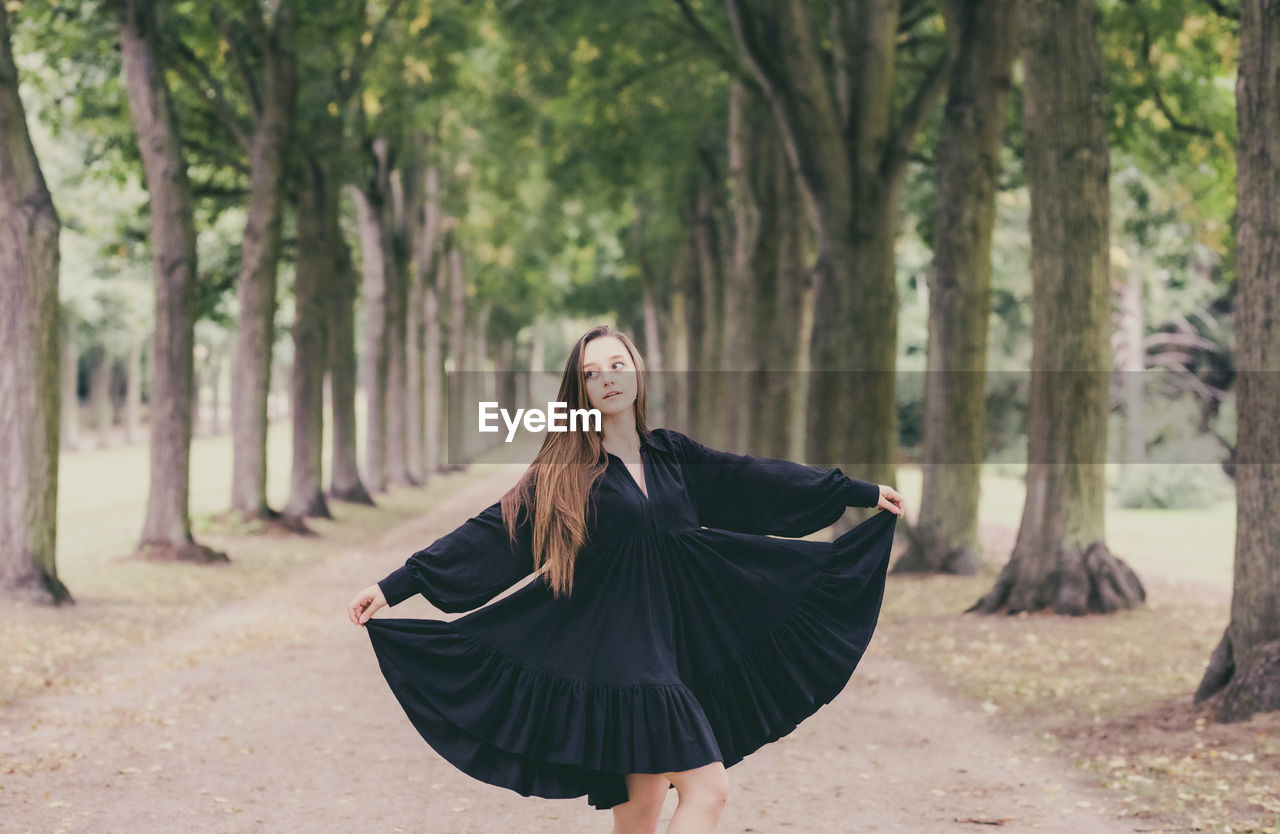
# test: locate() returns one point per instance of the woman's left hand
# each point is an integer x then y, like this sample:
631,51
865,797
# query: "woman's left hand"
891,500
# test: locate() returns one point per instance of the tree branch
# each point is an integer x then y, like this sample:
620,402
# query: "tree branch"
1217,6
363,55
217,154
220,19
903,137
1154,88
207,88
705,35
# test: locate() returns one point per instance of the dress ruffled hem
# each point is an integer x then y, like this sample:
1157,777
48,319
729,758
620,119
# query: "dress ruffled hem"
542,735
807,659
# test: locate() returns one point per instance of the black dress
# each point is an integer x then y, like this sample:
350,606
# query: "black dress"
691,636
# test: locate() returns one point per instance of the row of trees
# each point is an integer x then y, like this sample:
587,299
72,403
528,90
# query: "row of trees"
730,179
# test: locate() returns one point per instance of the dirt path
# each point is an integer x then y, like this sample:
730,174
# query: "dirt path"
272,716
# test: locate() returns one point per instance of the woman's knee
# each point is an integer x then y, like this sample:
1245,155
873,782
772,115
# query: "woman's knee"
646,795
706,786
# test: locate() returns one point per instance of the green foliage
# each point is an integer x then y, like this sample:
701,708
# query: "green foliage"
1173,486
1170,68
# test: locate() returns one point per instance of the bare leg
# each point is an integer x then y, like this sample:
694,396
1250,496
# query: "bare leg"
703,793
646,793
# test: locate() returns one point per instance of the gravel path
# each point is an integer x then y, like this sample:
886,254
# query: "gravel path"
271,716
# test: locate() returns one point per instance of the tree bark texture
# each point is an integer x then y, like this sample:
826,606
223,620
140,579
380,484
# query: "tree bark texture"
373,252
406,194
306,492
1243,676
849,153
984,37
70,405
1060,559
459,385
166,531
256,285
345,483
30,356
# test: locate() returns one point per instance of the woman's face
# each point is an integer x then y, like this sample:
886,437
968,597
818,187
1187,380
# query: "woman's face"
610,375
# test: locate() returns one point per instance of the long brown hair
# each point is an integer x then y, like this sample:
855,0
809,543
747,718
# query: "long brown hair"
557,485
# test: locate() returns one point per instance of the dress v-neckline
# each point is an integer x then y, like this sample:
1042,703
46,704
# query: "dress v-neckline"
632,478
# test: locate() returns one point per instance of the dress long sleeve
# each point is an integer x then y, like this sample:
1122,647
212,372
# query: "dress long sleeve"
750,494
465,569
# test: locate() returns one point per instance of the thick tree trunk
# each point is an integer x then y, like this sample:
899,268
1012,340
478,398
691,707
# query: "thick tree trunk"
1244,672
256,286
166,532
944,538
782,284
306,493
849,154
373,250
30,335
70,398
340,298
133,390
1060,559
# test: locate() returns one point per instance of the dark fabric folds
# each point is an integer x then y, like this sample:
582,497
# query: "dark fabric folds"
500,720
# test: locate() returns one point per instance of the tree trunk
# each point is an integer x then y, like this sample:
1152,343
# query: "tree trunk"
373,250
30,335
1060,559
849,158
197,385
676,329
783,282
481,386
707,376
70,397
100,396
405,192
166,532
944,538
1132,365
256,285
306,494
133,390
1243,676
424,308
740,362
215,391
458,385
340,297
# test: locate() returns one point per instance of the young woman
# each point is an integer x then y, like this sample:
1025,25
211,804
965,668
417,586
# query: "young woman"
667,633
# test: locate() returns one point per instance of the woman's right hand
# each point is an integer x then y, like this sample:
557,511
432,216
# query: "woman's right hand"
366,602
891,500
